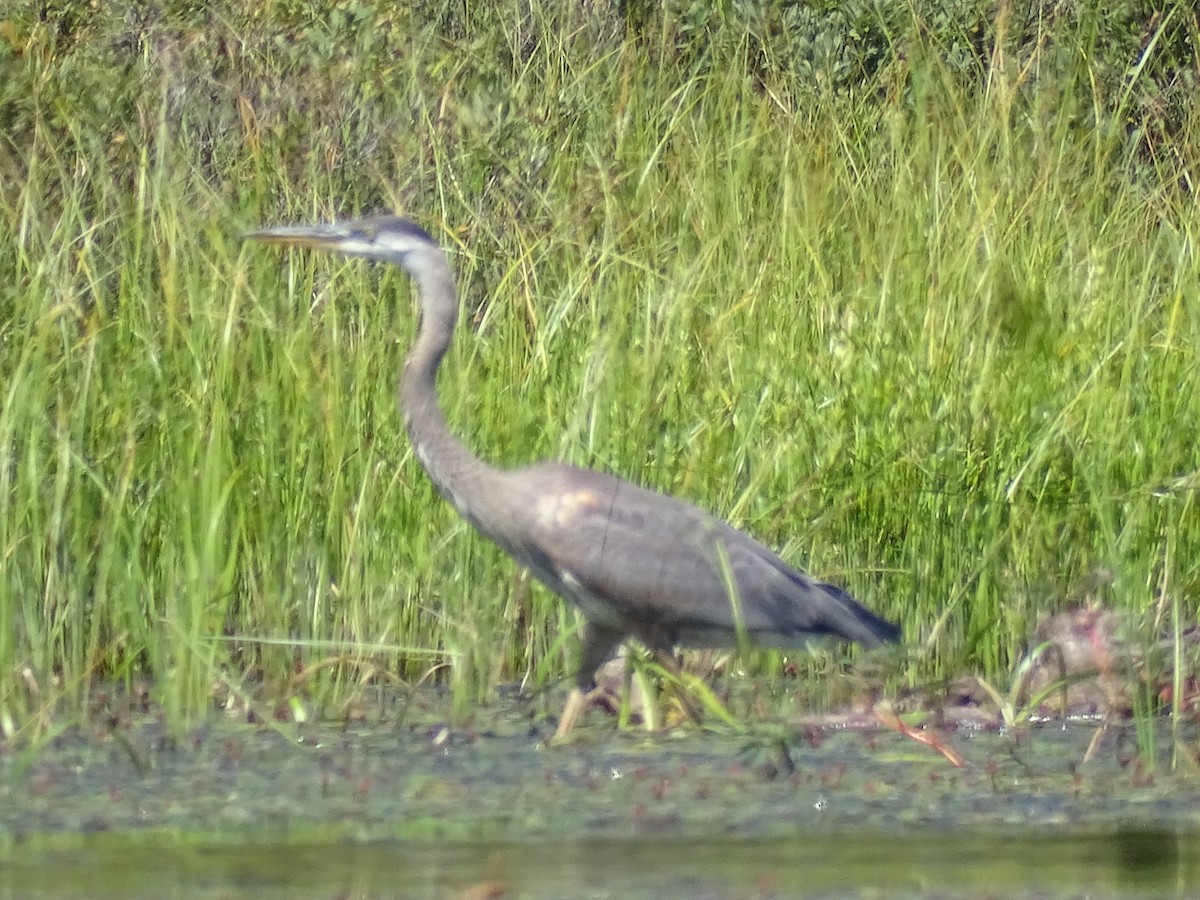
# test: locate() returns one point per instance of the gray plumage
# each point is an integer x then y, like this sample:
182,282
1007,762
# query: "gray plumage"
633,562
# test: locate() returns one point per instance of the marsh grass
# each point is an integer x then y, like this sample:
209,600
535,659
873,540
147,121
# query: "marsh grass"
934,340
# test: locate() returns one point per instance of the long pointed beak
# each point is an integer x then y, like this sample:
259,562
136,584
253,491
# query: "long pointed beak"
326,236
381,238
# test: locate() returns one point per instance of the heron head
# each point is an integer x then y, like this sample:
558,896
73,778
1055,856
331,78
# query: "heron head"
387,238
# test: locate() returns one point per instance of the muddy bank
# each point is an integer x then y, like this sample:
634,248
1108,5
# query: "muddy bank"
461,807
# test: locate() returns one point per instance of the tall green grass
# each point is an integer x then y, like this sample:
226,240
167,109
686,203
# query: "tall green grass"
936,341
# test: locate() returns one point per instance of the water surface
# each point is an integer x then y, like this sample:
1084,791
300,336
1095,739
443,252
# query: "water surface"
425,810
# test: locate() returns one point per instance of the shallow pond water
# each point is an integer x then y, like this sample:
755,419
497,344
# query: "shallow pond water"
916,864
422,809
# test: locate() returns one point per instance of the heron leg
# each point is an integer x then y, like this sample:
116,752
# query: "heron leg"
599,642
576,701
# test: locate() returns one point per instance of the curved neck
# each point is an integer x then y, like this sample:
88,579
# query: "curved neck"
452,467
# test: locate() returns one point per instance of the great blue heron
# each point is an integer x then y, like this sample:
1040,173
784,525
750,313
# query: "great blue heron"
635,563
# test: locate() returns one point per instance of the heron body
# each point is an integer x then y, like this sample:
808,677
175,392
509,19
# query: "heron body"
635,563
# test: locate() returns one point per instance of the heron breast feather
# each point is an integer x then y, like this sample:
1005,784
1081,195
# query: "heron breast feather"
561,509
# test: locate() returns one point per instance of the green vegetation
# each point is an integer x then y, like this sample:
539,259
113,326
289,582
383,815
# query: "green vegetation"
922,310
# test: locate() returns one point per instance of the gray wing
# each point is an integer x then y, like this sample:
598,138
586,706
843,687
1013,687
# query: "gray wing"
650,565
